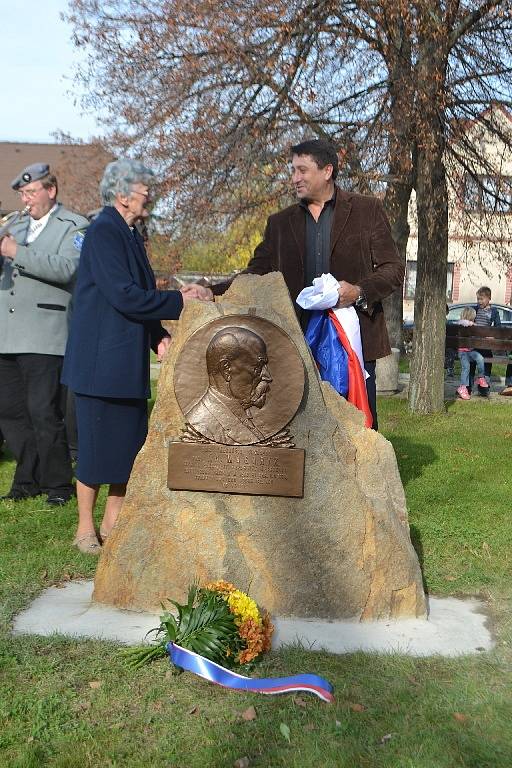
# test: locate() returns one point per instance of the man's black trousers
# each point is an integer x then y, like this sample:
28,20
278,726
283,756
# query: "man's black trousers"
371,390
32,422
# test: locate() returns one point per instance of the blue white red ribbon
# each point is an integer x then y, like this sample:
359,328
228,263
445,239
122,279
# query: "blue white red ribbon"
209,670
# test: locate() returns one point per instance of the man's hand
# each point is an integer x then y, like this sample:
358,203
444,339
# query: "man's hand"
348,293
163,347
196,291
8,247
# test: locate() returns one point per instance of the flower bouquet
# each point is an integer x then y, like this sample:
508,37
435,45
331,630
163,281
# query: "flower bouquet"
218,633
218,622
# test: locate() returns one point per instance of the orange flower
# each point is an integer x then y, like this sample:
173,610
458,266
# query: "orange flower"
255,628
246,656
252,633
224,587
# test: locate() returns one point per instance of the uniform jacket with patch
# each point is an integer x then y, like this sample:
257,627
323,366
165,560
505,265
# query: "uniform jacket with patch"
36,287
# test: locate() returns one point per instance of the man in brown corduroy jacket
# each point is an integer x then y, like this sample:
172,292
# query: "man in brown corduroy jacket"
329,230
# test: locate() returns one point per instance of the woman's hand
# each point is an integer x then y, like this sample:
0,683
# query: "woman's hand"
162,348
196,291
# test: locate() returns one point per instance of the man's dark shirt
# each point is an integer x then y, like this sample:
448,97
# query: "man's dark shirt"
318,246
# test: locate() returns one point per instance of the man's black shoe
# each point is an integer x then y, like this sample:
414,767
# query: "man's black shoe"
58,499
19,494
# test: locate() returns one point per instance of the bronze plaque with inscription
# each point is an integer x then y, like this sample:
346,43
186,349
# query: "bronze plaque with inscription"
238,469
239,381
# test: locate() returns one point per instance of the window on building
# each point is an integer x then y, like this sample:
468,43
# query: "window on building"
488,194
471,194
410,281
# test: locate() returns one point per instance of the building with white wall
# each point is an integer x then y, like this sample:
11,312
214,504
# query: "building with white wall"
480,222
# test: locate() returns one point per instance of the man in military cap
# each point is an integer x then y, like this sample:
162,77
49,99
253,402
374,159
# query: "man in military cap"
39,260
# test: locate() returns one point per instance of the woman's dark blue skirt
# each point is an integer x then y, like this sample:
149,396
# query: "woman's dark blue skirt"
111,432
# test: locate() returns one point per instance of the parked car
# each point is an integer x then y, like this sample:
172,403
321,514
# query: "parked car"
455,311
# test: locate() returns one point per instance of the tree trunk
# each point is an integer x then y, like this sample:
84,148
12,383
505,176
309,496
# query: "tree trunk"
398,192
397,204
426,388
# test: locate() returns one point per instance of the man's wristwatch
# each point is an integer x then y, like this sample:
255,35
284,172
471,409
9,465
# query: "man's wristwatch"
361,302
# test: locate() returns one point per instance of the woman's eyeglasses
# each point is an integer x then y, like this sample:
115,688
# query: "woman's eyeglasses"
145,195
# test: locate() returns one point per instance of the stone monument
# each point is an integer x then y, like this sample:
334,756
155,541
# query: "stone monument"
256,472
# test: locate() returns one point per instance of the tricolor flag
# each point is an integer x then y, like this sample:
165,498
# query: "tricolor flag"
330,335
335,340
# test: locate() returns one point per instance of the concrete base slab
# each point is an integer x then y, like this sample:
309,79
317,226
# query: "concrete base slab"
455,627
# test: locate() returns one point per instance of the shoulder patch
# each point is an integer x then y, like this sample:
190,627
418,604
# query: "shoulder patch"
79,239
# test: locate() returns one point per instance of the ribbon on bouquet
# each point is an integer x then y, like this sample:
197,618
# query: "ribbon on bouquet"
209,670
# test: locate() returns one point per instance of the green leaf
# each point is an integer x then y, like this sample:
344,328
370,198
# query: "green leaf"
208,628
204,624
170,626
143,654
285,731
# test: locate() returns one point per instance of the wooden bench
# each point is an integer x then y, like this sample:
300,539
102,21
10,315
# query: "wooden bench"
497,340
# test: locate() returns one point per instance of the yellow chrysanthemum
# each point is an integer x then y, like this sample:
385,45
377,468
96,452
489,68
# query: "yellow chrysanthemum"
254,628
243,607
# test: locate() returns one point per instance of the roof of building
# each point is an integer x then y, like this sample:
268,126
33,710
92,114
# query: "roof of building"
78,168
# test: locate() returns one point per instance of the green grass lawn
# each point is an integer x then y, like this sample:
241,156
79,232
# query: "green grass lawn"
70,704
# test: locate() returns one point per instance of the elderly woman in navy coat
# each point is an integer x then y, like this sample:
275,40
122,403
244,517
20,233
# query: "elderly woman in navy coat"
116,319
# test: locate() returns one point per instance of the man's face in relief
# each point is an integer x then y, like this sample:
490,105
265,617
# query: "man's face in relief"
250,377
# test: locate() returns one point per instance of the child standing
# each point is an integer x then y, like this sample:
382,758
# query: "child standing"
485,313
466,355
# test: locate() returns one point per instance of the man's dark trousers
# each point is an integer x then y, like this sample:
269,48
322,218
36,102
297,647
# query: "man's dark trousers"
371,390
32,422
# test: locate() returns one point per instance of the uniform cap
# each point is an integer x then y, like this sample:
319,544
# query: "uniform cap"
32,172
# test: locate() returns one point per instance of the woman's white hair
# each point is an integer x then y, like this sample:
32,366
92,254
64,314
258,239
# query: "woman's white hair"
120,176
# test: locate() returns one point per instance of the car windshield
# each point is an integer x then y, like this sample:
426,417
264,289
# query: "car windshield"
505,315
454,313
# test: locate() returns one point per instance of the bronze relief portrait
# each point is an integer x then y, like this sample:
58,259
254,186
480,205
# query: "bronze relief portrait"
239,380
